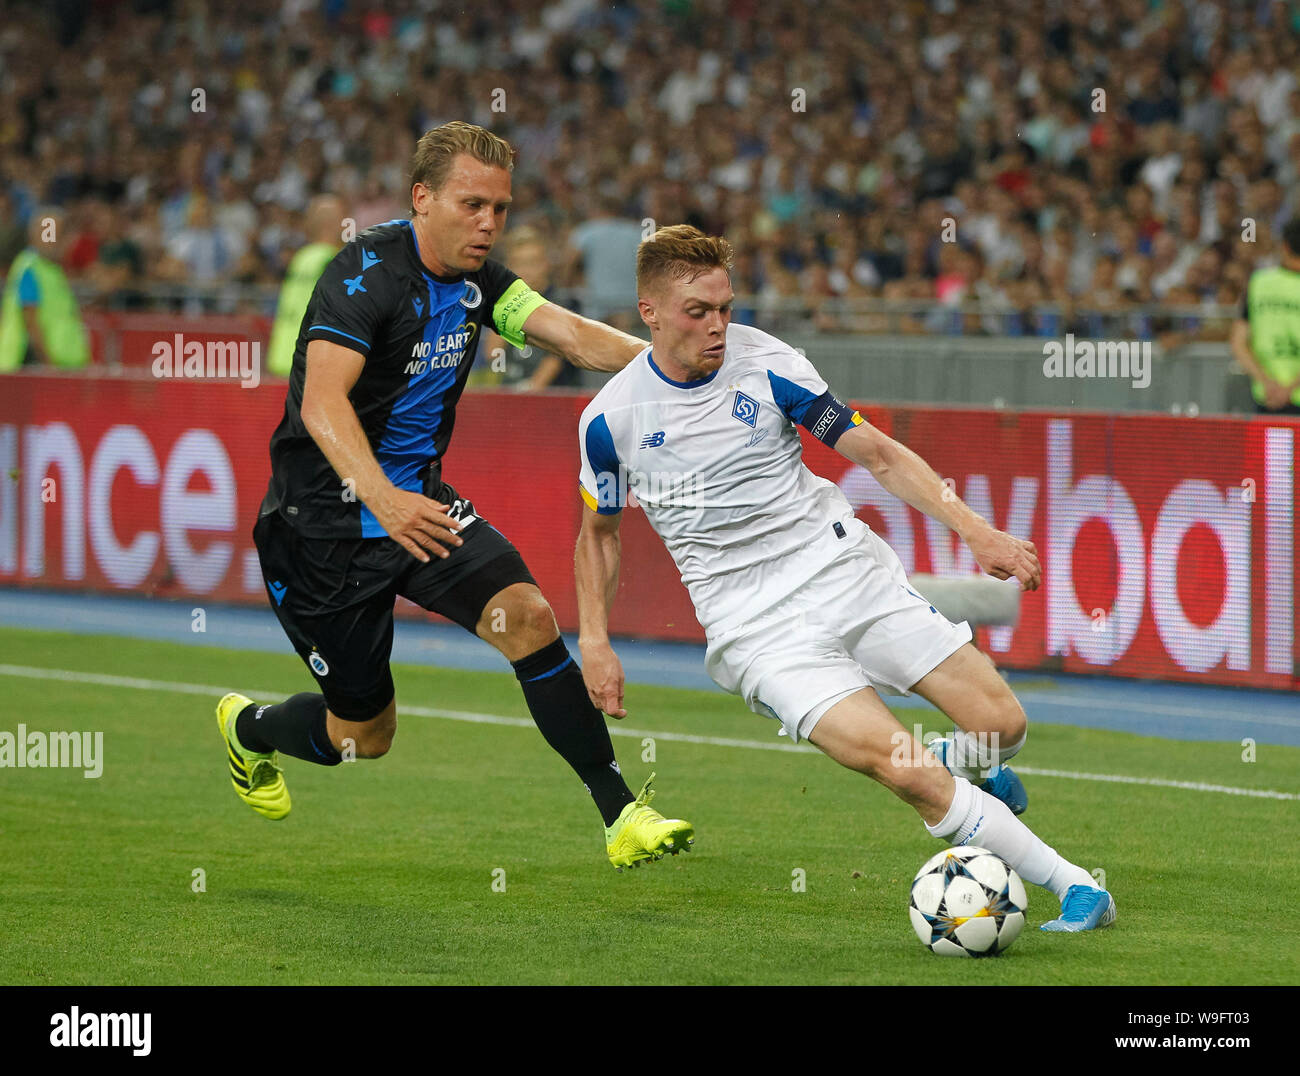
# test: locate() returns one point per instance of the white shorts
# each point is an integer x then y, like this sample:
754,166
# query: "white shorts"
856,624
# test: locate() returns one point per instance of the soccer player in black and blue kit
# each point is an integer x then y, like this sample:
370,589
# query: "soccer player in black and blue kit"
357,511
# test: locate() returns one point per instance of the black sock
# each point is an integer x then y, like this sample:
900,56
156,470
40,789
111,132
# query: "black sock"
575,729
295,727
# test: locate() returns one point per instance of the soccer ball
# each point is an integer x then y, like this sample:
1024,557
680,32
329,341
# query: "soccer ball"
967,902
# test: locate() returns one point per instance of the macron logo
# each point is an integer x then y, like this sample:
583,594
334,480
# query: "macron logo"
76,1028
278,591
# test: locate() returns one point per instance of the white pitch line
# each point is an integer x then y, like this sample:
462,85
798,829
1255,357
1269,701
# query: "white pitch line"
108,680
1032,698
1161,782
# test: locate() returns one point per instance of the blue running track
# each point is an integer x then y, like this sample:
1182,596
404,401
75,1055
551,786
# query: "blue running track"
1170,710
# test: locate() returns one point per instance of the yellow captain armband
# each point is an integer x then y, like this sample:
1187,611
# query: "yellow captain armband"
512,310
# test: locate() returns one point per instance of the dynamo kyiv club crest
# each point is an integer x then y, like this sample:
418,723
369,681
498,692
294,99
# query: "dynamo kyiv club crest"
745,409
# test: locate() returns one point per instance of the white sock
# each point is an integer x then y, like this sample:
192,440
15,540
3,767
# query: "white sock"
975,817
972,758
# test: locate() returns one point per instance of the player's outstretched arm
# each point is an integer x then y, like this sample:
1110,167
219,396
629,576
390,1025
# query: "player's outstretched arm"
904,474
413,521
596,563
591,345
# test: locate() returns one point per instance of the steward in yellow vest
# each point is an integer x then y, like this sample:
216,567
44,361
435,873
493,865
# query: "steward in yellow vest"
39,319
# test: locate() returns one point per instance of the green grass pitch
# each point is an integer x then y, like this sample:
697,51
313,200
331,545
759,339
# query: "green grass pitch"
385,870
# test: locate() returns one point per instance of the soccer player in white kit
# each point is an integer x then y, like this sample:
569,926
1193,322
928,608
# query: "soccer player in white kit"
808,613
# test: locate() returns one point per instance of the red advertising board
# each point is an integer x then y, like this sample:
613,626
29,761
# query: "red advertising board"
132,339
1168,543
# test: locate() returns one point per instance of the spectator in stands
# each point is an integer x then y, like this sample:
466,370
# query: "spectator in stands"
529,369
201,253
13,236
40,324
86,233
234,214
995,104
119,268
604,248
324,230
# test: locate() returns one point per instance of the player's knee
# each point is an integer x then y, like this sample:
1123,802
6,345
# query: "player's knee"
1003,716
535,620
1013,725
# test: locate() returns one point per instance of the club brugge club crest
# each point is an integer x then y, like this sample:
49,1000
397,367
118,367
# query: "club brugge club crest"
473,297
318,664
745,409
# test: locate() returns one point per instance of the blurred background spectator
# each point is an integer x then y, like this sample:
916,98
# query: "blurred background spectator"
603,254
324,230
527,369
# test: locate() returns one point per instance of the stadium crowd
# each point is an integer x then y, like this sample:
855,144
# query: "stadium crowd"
1090,156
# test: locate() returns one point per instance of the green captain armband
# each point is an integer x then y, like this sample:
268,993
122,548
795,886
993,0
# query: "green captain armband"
512,310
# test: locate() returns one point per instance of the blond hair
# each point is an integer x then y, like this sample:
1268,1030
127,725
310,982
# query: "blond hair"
680,251
438,147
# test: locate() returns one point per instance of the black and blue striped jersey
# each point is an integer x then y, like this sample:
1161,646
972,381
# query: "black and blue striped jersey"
418,333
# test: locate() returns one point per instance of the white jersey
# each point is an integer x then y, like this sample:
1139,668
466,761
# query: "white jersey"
718,467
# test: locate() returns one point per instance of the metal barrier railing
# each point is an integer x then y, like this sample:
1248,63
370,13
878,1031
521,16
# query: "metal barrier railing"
803,314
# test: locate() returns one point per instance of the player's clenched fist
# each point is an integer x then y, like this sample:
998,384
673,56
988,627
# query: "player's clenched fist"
602,672
417,523
1003,555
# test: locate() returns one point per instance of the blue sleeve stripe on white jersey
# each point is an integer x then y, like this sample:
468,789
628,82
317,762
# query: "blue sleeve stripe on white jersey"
792,399
604,465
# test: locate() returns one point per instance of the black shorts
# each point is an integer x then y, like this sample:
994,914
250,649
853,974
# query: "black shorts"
334,597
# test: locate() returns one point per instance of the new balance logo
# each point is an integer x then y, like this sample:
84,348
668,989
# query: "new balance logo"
653,440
